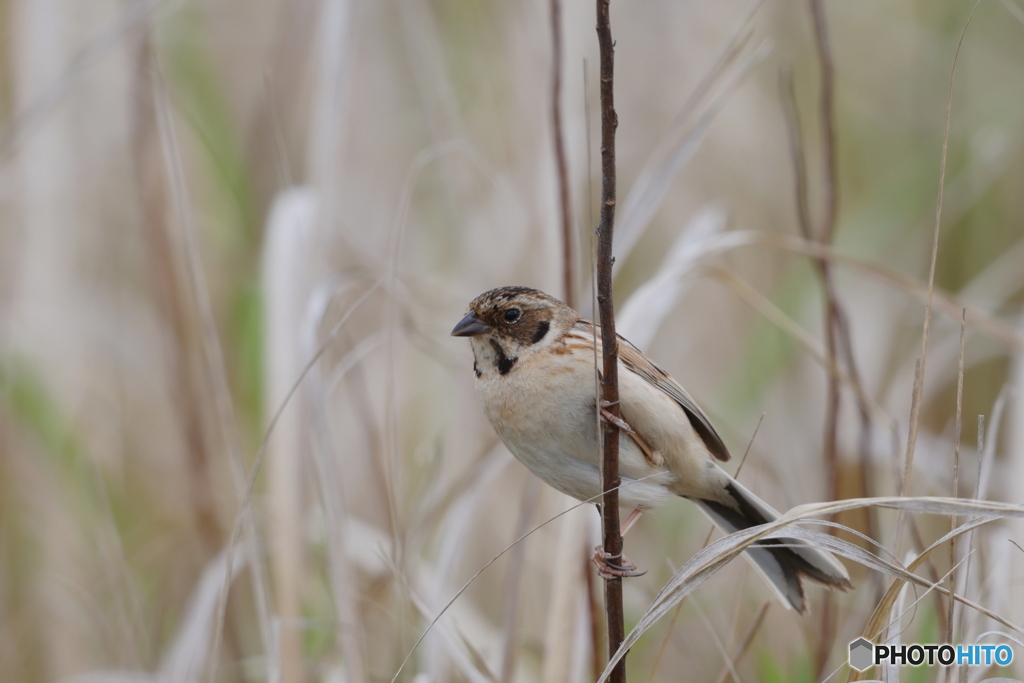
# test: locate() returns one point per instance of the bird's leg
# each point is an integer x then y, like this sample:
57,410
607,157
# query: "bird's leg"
652,457
602,560
614,419
631,520
625,567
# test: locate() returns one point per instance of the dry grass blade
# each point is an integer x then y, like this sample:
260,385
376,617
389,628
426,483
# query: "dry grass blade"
244,511
561,165
956,479
745,641
36,112
651,302
565,597
469,663
288,249
950,306
190,650
669,156
341,565
480,571
877,622
512,601
656,178
217,376
728,663
708,561
915,405
759,303
707,539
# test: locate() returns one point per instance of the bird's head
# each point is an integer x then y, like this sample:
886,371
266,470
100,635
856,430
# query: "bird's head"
506,322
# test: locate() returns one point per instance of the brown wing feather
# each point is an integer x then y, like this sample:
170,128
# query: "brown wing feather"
644,367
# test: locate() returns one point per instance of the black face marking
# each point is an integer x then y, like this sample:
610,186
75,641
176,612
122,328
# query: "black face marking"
476,370
504,363
542,330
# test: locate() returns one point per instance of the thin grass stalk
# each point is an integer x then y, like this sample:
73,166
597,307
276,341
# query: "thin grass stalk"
350,632
561,165
565,598
49,98
956,482
513,582
243,518
610,377
217,374
773,313
482,569
915,411
837,323
707,539
189,395
655,179
727,662
837,332
707,562
562,610
946,304
745,641
970,538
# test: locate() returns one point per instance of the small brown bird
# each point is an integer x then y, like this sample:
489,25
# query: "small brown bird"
534,363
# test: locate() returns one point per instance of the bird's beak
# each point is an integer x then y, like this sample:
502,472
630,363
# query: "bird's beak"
470,326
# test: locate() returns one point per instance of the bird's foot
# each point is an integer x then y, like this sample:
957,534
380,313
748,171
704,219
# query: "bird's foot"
607,416
652,456
624,568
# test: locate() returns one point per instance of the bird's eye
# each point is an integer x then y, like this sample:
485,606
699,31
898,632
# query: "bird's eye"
512,315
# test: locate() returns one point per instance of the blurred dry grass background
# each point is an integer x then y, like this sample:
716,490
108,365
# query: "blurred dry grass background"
197,195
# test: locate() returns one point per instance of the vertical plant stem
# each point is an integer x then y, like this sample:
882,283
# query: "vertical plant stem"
915,402
610,376
593,602
833,310
562,166
825,237
956,484
970,539
830,201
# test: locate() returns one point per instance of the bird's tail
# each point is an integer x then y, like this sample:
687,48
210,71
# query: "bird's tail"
780,561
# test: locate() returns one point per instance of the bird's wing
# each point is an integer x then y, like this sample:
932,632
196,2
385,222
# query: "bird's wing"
640,364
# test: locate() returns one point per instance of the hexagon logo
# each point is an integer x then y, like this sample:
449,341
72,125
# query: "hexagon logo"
861,651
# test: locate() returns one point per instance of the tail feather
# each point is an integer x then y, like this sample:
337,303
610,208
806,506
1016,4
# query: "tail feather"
782,562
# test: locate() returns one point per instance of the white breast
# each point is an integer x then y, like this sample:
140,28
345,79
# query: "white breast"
544,411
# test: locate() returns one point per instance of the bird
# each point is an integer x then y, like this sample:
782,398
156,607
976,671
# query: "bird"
534,359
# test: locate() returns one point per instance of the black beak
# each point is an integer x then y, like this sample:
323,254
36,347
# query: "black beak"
470,326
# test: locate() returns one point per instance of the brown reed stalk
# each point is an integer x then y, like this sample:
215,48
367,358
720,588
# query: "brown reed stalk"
562,166
610,376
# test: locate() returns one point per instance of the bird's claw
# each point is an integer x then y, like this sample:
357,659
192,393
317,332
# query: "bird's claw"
609,570
615,420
